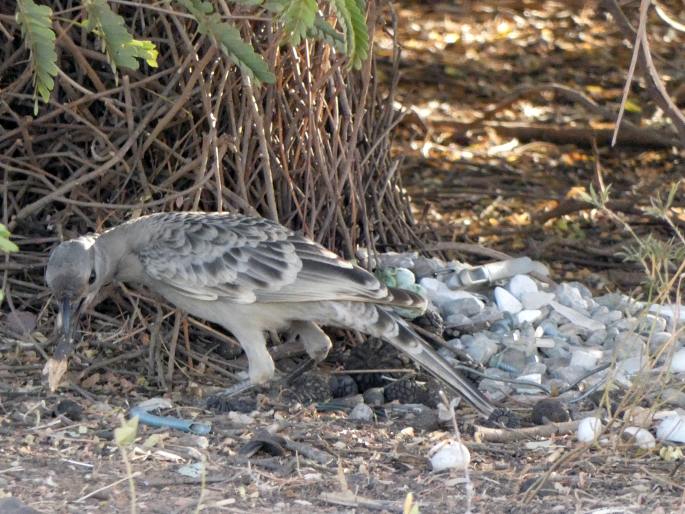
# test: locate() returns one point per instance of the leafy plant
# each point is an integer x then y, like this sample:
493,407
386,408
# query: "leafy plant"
352,19
6,246
36,29
661,260
301,19
229,40
121,48
298,18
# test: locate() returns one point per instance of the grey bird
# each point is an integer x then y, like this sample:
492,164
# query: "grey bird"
249,275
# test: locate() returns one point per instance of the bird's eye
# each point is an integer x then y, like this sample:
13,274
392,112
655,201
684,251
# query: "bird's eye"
91,279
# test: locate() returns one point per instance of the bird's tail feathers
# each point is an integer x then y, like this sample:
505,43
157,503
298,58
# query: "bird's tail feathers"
405,299
379,321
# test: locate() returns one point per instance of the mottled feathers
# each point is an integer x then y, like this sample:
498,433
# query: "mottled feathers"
246,260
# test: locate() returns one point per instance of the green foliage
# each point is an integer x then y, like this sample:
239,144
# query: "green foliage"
659,259
598,199
323,31
350,13
660,208
36,29
118,44
6,246
126,434
229,40
298,18
351,16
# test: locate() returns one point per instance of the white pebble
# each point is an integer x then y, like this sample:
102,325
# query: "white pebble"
440,294
586,359
643,438
577,318
589,429
672,428
536,299
449,455
361,412
506,301
678,362
528,315
521,284
405,278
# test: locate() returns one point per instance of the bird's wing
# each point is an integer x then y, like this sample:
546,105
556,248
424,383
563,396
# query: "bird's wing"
243,259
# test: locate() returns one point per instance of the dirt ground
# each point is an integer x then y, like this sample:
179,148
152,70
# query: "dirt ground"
470,182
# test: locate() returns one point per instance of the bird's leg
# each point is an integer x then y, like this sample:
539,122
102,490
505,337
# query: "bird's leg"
316,343
261,367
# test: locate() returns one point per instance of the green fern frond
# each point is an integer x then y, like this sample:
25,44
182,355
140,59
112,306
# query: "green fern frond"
298,18
121,48
351,17
323,31
36,29
229,40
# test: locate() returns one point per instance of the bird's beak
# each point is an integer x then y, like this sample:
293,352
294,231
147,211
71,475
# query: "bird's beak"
65,346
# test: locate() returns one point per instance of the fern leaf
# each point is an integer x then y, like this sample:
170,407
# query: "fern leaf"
298,18
121,48
36,29
322,30
351,17
229,40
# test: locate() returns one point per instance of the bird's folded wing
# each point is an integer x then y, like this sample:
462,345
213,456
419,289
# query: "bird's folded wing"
246,259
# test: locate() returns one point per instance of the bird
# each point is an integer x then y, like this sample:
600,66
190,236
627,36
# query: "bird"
249,275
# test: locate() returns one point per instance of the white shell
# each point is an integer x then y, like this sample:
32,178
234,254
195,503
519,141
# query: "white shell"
449,455
643,438
589,429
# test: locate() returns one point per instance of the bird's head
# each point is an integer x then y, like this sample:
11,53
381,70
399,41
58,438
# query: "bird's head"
72,278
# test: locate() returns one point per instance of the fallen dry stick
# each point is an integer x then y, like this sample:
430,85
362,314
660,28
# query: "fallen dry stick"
349,499
506,435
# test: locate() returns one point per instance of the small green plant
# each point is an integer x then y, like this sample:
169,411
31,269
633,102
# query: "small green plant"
36,29
121,48
300,19
6,246
124,436
659,259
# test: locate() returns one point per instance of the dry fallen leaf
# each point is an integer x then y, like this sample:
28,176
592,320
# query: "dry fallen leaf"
55,370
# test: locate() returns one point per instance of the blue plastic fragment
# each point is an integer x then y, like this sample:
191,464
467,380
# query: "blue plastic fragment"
185,425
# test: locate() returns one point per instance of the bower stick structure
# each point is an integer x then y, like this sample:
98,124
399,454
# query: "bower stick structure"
312,152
